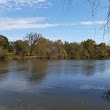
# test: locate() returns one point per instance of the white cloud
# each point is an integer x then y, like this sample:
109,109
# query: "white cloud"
9,5
92,22
35,22
21,1
24,23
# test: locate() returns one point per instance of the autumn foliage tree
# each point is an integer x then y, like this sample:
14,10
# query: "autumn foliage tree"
4,44
42,48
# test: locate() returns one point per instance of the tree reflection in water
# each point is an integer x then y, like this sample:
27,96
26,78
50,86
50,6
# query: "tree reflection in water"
37,70
3,70
106,96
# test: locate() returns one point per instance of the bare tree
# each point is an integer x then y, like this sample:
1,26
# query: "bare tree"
33,39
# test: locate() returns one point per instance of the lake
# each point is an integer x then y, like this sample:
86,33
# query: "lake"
55,85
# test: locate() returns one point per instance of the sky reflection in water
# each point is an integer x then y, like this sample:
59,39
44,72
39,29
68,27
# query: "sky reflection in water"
55,85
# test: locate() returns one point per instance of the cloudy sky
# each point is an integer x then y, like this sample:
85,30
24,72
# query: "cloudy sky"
53,18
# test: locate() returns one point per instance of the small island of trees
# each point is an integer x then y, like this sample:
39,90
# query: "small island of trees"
36,46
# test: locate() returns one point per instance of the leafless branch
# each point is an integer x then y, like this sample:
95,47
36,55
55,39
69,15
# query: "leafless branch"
95,5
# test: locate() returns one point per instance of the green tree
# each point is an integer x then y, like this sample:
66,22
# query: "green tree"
2,53
42,48
4,42
11,47
103,51
89,48
74,50
57,50
21,47
4,45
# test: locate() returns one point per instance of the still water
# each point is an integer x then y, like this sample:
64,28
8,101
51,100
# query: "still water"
55,85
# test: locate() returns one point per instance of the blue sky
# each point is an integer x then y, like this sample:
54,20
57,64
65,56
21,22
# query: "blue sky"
52,18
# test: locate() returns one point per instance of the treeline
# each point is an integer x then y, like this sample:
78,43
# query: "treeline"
39,47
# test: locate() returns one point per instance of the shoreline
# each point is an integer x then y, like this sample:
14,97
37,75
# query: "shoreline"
18,57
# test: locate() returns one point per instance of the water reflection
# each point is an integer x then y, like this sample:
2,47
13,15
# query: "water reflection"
90,87
106,96
86,68
91,67
22,76
54,85
3,70
21,107
32,70
37,70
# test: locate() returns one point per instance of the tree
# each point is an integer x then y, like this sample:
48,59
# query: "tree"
4,42
42,48
11,47
57,50
103,50
2,54
89,48
33,39
74,50
21,47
